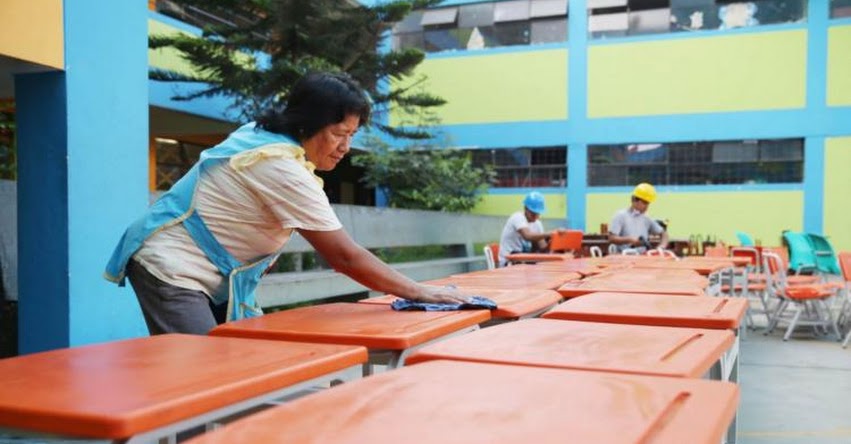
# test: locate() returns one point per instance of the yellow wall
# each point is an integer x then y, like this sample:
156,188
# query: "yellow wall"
698,75
837,183
763,215
516,87
506,204
839,66
32,30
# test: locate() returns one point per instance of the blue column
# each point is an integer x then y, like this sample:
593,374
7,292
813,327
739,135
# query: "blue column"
577,153
82,168
817,23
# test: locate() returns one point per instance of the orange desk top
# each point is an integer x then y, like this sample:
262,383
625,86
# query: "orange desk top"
123,388
705,268
636,349
511,304
653,275
584,266
460,403
542,280
650,309
371,325
739,261
579,288
538,257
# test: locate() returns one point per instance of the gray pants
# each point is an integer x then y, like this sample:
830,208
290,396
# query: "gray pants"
171,309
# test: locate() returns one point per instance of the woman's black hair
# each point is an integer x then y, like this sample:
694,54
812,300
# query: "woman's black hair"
316,101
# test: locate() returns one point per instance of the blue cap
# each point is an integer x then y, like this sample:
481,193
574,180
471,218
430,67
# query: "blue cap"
534,202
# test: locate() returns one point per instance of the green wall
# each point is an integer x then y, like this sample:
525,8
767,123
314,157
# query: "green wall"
837,185
698,75
763,215
515,87
506,204
839,66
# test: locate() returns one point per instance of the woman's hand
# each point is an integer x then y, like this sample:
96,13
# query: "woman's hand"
431,294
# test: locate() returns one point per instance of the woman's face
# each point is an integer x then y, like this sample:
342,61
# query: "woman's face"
326,148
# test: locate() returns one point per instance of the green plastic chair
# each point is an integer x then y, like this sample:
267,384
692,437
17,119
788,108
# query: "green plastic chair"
745,239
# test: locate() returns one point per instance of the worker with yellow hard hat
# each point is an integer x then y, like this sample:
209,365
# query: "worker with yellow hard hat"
631,227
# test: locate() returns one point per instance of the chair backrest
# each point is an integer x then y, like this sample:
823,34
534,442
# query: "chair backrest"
774,270
613,249
568,240
781,252
492,255
825,257
801,252
631,252
595,251
748,252
744,239
845,265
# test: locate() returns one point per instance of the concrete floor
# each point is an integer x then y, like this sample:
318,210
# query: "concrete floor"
794,392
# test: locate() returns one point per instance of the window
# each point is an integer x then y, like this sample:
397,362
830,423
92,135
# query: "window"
697,163
525,167
612,18
483,25
840,8
174,159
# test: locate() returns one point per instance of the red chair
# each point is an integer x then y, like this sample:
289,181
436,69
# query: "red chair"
845,313
566,241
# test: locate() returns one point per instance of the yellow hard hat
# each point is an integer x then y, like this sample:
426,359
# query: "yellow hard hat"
645,192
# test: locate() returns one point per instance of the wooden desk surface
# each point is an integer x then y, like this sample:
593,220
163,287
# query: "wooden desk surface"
635,349
650,309
512,304
374,326
119,389
461,403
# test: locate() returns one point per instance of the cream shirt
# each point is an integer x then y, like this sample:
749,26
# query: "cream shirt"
251,209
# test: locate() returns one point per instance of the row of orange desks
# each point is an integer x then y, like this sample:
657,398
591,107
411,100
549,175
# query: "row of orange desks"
142,390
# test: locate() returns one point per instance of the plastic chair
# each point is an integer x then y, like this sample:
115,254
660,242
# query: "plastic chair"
825,258
809,301
613,249
595,251
631,252
745,239
492,255
801,253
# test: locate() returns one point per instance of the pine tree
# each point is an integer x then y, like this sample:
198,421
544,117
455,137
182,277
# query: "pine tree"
270,44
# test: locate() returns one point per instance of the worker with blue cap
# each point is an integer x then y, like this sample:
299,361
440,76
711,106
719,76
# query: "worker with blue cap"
524,232
631,227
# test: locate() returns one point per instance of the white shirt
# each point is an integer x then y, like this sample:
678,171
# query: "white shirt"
511,241
251,211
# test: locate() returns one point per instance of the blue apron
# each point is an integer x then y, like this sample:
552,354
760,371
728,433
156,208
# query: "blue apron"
177,206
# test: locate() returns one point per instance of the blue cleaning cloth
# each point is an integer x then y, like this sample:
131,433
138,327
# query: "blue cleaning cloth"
476,303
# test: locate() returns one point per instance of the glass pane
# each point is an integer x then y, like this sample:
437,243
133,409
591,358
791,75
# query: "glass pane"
597,4
512,33
785,149
640,5
694,18
650,21
443,16
840,8
411,23
549,31
471,16
547,8
734,152
408,40
511,11
443,39
646,153
604,25
785,11
606,175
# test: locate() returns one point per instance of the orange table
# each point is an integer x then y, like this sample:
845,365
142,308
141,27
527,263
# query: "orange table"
389,335
537,257
460,403
613,284
153,387
651,309
540,280
511,304
636,349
